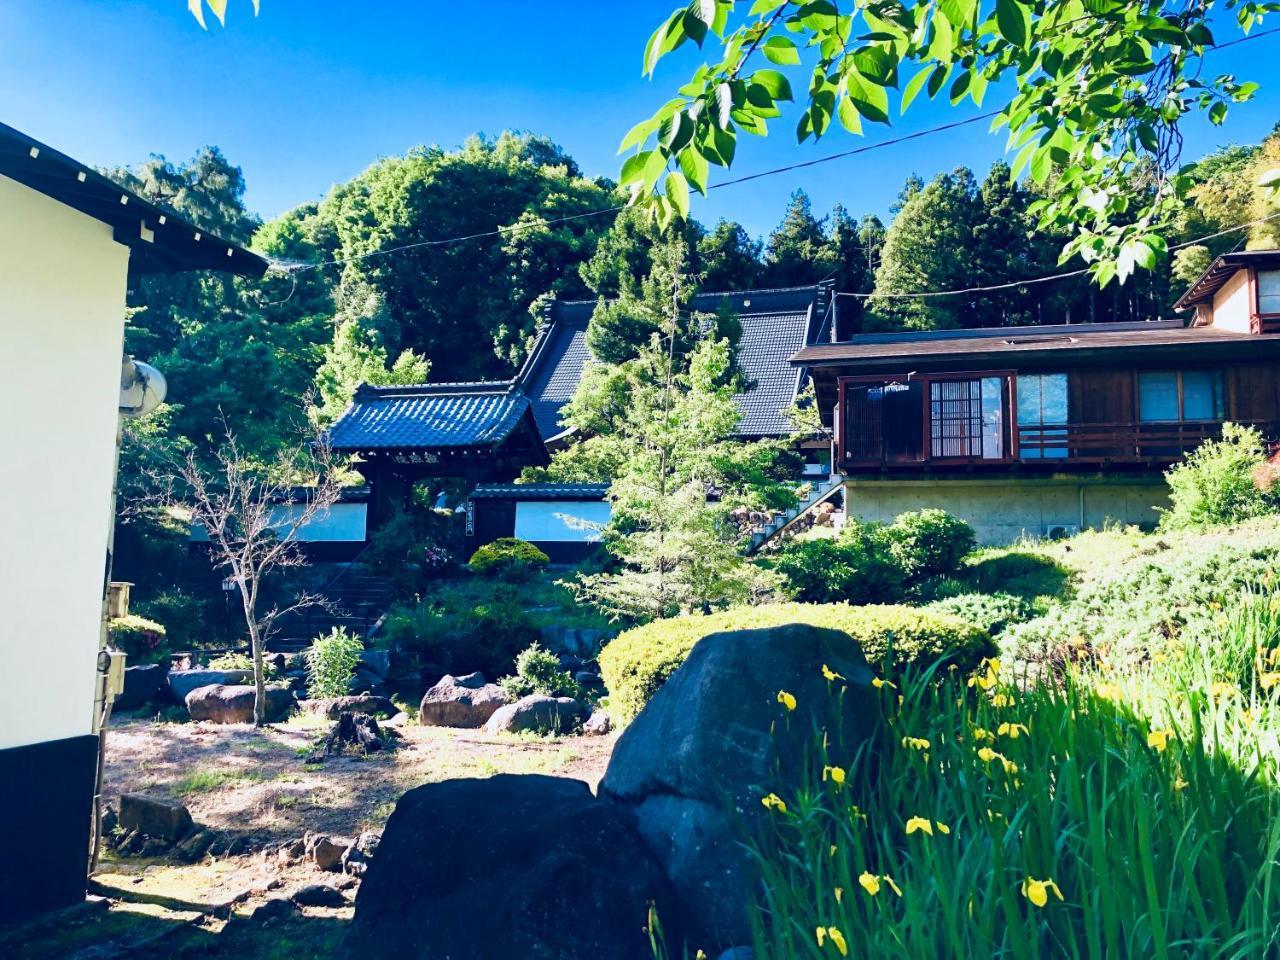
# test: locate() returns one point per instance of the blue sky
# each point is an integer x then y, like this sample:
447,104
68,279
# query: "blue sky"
312,91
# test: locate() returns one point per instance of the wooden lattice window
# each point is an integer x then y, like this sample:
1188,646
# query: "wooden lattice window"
966,418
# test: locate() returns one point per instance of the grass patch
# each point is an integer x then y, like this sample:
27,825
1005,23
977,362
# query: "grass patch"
205,779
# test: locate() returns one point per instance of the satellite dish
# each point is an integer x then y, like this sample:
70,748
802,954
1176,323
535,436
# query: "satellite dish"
142,388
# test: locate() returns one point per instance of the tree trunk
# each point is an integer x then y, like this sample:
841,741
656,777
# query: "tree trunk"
259,677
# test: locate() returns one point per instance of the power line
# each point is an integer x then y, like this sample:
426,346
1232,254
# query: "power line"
1049,277
299,266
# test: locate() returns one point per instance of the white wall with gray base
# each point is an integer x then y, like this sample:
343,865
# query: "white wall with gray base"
1003,510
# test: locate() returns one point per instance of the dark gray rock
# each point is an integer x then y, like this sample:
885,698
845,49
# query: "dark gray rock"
375,662
355,859
195,846
276,908
460,702
153,817
511,866
327,851
319,895
588,679
693,766
538,714
334,707
143,685
182,682
223,704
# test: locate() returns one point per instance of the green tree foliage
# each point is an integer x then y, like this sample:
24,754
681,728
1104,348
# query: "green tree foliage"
357,356
1100,91
730,259
797,253
464,305
1221,481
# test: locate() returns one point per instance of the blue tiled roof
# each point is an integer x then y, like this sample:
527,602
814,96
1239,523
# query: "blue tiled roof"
767,344
540,491
555,366
431,415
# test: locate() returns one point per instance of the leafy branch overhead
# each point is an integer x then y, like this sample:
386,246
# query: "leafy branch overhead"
1091,92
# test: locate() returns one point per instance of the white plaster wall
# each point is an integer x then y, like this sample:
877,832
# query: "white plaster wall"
342,523
62,296
1231,307
562,521
1002,512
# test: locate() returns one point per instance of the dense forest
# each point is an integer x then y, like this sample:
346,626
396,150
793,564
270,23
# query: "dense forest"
263,355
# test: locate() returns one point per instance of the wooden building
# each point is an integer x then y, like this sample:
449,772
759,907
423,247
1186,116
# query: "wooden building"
1040,430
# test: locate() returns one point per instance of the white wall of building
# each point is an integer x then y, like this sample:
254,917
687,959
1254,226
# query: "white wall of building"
562,521
62,278
1001,511
1232,309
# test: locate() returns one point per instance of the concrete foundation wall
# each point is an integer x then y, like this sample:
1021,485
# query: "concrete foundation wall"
1003,510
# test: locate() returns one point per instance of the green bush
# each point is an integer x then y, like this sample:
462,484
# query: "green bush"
538,671
239,661
638,661
856,567
187,618
1218,482
140,639
508,557
1021,573
989,612
331,663
929,543
1156,602
462,637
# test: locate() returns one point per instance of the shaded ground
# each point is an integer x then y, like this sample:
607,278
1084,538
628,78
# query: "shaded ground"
258,784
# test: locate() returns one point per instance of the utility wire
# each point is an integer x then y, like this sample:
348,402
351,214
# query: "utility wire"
1050,277
294,266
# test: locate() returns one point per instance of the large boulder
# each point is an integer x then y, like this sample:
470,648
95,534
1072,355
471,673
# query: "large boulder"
182,682
511,866
694,765
465,701
538,714
143,685
234,704
154,817
334,707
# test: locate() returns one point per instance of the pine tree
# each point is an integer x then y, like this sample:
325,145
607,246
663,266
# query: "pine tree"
730,258
796,253
929,246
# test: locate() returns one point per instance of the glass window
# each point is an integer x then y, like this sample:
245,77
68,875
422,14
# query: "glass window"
1167,396
1042,401
1269,291
1158,397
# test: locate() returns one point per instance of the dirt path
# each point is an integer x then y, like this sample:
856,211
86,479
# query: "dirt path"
258,784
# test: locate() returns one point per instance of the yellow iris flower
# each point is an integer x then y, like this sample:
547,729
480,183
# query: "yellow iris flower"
1011,730
788,700
1159,739
915,743
774,802
925,826
835,773
1037,891
869,882
878,683
830,674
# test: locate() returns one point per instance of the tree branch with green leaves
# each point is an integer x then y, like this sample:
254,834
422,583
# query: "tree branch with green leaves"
1091,92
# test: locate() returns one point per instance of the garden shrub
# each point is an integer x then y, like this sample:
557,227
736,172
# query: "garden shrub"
240,661
509,558
1021,573
1218,482
638,661
331,663
538,671
929,543
186,617
462,637
856,567
1155,603
140,639
989,612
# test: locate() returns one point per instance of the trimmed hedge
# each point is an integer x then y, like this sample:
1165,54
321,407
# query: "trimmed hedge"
508,557
639,661
140,639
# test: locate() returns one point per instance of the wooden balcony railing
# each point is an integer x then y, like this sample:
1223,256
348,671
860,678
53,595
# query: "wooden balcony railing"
1128,442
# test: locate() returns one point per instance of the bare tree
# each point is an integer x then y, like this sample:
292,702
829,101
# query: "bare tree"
253,516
